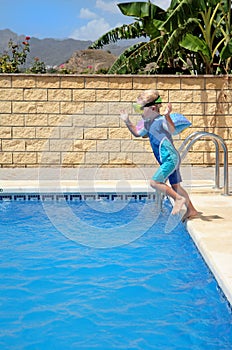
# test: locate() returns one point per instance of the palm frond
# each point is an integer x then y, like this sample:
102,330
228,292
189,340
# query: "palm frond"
177,14
134,59
121,60
127,31
173,40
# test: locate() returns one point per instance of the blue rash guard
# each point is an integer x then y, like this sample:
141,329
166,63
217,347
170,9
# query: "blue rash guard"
163,149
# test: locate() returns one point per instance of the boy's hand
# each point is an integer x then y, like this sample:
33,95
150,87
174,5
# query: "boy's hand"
124,116
168,109
167,112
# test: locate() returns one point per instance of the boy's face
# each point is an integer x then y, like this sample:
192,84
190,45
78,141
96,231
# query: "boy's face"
151,112
148,112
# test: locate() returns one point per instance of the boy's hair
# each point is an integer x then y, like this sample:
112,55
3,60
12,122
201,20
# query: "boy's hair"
148,96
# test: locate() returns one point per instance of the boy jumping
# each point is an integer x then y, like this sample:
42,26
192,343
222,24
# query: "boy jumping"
159,129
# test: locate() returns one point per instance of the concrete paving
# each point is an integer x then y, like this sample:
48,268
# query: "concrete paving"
211,231
212,234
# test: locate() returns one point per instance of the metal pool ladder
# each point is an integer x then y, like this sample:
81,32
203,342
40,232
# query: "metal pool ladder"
217,140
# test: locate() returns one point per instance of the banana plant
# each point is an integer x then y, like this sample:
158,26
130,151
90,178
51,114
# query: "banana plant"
193,36
156,50
212,40
148,17
226,52
207,42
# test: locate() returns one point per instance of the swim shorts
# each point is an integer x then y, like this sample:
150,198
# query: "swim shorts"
169,160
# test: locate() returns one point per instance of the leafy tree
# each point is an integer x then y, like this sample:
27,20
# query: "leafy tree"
192,36
38,67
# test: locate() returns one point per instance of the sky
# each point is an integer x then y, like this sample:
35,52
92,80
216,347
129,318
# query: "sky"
61,19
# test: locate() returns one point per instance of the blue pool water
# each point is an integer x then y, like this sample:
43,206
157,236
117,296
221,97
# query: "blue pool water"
154,292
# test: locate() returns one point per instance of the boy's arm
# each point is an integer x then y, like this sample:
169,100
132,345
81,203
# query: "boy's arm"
171,125
124,116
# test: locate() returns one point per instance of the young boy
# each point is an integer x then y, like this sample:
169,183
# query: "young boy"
159,129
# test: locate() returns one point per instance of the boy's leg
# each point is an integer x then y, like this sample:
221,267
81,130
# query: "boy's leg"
191,210
168,170
169,191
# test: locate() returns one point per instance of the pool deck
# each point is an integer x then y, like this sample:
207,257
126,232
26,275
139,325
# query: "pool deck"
211,231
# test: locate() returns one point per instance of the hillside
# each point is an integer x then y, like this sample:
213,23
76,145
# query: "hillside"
89,61
51,51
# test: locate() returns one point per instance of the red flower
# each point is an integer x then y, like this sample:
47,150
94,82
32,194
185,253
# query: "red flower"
25,43
27,38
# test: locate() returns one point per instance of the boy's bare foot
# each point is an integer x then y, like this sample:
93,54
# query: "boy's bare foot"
191,215
179,202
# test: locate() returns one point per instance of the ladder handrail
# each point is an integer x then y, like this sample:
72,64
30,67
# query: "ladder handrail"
192,138
197,135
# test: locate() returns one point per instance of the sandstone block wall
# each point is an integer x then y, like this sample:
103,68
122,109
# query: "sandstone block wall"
73,120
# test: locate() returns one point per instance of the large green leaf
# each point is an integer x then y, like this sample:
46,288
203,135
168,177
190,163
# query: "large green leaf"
140,9
151,27
226,51
195,44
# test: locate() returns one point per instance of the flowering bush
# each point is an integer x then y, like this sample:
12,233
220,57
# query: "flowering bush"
10,61
62,69
88,70
38,66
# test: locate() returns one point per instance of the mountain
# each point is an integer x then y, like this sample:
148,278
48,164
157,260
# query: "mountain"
52,52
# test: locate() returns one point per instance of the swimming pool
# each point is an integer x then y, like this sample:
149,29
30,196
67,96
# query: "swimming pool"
144,291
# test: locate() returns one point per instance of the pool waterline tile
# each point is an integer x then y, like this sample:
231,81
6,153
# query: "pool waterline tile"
80,196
